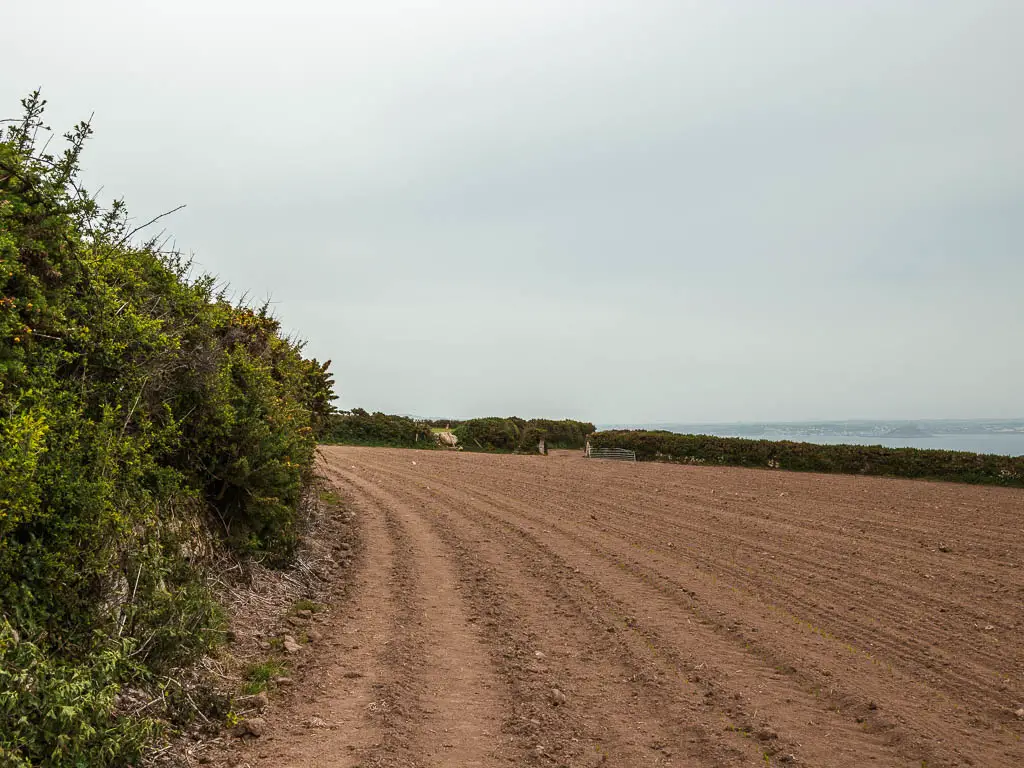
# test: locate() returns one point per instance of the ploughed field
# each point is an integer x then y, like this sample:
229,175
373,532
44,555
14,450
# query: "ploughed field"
516,610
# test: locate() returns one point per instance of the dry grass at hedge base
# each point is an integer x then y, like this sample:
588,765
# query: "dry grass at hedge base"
259,602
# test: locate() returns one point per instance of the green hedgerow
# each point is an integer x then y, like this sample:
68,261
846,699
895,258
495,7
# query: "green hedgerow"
930,464
145,421
358,427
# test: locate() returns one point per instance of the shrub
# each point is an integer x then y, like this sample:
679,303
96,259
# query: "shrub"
491,434
144,421
519,435
57,714
358,427
488,434
566,433
955,466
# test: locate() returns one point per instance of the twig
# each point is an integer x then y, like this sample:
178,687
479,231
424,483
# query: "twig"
151,221
132,412
124,617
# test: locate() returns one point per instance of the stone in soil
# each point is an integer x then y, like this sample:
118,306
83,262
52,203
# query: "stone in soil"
254,726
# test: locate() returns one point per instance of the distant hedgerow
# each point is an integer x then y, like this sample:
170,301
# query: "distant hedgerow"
359,427
954,466
520,435
494,434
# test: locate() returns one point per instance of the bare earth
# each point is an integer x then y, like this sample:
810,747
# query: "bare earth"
513,610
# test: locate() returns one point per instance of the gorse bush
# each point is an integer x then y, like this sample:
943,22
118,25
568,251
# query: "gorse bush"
491,434
956,466
565,433
145,421
519,435
358,427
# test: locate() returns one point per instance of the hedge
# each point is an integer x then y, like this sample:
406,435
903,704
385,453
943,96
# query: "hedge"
145,422
953,466
512,434
359,427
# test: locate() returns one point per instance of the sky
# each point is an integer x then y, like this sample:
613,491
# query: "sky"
615,210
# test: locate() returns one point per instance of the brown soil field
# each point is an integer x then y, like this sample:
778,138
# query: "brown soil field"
560,611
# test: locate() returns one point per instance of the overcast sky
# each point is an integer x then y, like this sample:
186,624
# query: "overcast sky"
622,211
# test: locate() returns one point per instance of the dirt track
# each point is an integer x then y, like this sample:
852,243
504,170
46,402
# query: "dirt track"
689,617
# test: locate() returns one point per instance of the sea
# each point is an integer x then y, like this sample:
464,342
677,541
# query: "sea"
1003,437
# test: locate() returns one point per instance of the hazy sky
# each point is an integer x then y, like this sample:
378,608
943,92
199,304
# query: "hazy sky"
621,211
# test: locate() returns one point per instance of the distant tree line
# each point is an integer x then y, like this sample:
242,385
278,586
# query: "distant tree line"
359,427
515,435
493,434
954,466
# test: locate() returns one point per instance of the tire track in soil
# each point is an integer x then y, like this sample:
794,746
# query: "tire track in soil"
749,695
405,683
445,703
332,725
